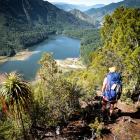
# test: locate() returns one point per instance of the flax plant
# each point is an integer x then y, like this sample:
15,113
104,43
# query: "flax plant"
16,96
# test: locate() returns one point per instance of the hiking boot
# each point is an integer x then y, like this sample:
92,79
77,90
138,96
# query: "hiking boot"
112,118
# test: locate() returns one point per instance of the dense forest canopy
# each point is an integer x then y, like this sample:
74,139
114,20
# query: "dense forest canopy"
90,41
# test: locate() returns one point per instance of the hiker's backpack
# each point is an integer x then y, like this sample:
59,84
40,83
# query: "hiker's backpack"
114,86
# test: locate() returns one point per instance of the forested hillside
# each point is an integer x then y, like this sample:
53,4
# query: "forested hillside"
121,47
90,41
120,35
99,13
84,17
24,23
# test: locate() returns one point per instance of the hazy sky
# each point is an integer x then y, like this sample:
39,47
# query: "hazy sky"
86,2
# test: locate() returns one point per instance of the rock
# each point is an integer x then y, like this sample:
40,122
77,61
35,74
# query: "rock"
57,130
83,104
128,119
49,134
76,128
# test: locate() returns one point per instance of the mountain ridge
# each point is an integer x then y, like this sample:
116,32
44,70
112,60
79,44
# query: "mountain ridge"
83,16
24,23
99,13
69,7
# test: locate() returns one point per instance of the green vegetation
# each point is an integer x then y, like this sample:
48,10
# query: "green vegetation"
99,13
120,36
15,39
97,127
48,103
54,97
58,97
15,95
25,23
90,41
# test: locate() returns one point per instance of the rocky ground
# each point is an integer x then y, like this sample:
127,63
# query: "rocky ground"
125,126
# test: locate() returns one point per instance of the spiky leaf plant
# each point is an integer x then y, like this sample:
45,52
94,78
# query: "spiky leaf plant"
16,95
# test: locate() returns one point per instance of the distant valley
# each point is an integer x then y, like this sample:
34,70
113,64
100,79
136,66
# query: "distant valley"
27,22
99,13
69,7
96,12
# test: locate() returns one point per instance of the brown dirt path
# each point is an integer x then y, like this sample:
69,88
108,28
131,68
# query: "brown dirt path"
127,125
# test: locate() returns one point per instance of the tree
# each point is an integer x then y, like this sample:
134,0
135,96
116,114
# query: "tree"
17,96
57,98
121,38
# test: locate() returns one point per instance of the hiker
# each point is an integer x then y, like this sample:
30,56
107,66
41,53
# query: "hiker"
111,89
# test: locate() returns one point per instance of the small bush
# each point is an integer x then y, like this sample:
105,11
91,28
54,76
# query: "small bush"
97,127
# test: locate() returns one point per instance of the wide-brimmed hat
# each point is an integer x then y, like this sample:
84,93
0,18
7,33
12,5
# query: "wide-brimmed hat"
112,69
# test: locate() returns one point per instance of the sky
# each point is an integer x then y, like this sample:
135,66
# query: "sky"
86,2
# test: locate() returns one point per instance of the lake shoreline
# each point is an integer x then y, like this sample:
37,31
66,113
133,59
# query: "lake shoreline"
25,54
65,65
20,56
70,63
65,50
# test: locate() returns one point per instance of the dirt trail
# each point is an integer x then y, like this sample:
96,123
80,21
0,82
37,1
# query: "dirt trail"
127,125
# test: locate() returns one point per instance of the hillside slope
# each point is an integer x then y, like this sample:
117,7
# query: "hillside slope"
34,11
99,13
68,7
83,16
26,22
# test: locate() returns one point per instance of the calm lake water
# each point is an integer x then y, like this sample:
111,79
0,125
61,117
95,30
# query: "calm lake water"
62,47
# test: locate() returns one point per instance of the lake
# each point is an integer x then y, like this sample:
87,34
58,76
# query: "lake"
62,47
